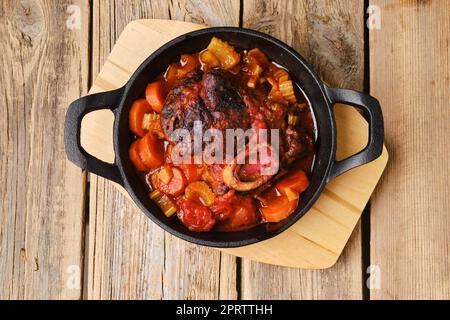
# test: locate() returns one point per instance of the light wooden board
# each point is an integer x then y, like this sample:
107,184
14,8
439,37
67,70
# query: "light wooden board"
318,239
130,257
43,68
410,228
332,42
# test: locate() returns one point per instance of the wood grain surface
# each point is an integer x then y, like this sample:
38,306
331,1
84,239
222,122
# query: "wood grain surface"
410,228
44,66
51,52
129,256
333,43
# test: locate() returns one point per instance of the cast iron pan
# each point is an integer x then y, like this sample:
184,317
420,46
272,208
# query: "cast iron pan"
322,99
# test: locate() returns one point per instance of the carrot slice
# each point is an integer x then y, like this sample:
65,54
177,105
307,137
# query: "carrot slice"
278,209
176,185
155,95
296,181
134,157
136,116
151,151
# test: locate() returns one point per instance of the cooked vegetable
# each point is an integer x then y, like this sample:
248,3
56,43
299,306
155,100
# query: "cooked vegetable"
273,82
155,95
281,75
134,157
258,56
200,190
188,64
196,216
296,181
287,90
156,195
165,174
283,78
225,53
278,209
191,171
148,118
255,72
209,59
138,110
275,95
291,194
175,187
153,125
167,206
151,151
171,75
292,120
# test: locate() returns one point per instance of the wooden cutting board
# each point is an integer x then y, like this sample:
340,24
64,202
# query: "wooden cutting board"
316,241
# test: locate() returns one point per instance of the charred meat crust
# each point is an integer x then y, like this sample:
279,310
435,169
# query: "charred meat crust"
213,100
183,107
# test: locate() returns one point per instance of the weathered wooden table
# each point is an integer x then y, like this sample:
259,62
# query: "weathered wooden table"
67,234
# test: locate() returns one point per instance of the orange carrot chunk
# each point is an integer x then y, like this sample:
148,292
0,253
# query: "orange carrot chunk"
134,156
296,181
278,209
155,95
151,151
136,116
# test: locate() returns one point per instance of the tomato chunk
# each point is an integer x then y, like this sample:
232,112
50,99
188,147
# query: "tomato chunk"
235,211
195,216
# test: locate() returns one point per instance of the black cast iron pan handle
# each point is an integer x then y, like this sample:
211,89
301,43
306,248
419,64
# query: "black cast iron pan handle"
75,152
372,113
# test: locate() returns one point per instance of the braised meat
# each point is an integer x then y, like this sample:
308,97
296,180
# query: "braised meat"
212,100
183,107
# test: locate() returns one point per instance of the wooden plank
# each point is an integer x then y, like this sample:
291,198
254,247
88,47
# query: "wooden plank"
330,36
44,60
129,256
410,227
